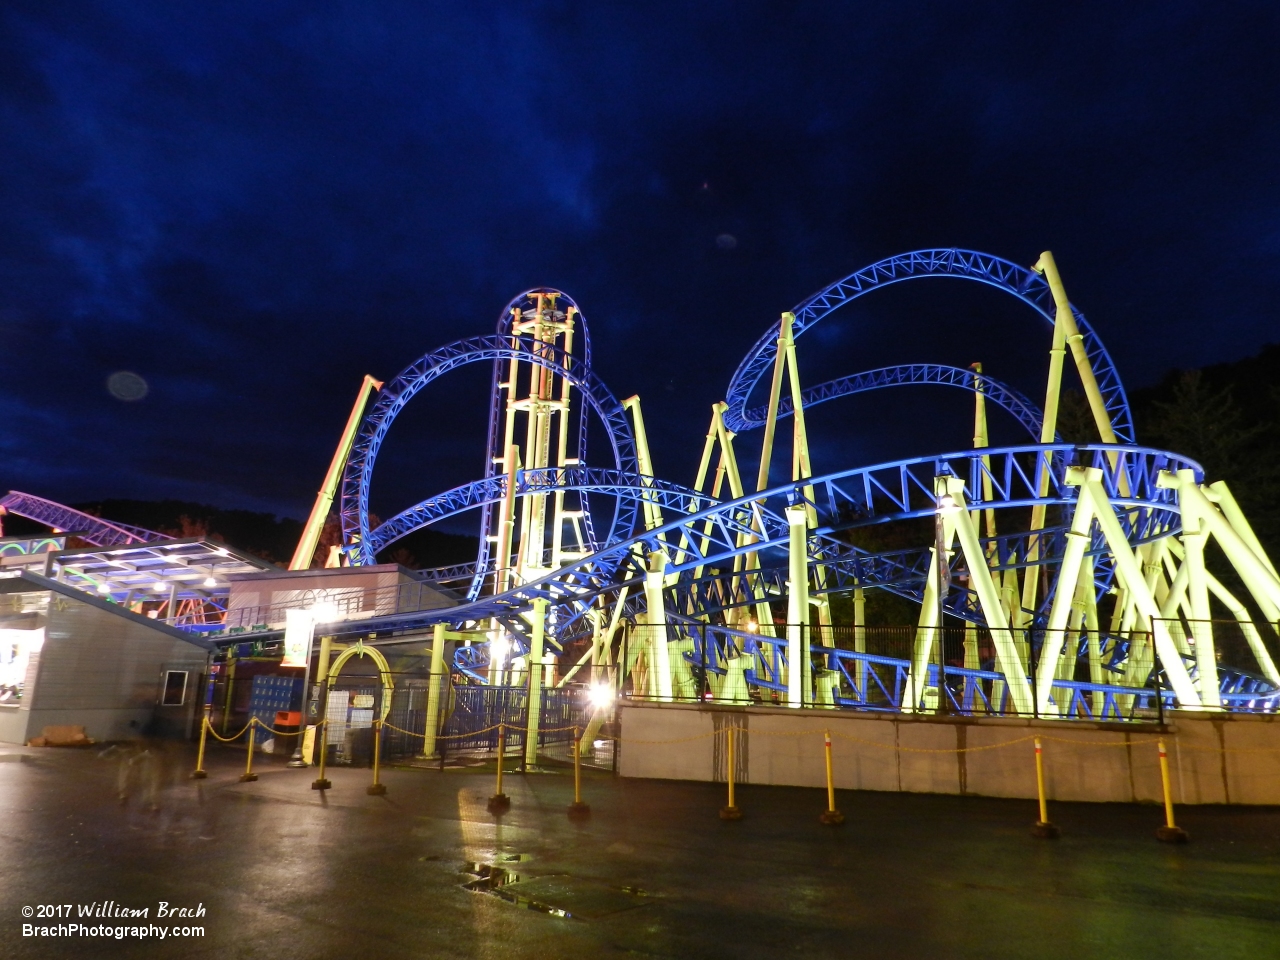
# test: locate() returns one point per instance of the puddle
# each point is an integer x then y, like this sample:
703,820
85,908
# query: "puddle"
494,880
557,895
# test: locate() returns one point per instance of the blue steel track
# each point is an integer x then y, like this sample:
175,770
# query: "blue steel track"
702,536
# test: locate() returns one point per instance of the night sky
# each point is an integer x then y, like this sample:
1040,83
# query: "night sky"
241,208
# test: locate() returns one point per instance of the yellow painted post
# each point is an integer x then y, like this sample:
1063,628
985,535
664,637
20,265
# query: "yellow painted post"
1170,832
831,816
377,788
577,808
231,679
199,772
248,774
1043,828
321,782
500,801
730,812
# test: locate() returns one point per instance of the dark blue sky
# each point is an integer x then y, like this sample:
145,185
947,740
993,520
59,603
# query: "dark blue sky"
251,205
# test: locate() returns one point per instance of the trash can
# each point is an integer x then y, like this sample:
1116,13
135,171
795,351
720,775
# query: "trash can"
287,722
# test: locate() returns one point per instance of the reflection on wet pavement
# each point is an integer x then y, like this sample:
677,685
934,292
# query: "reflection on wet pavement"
285,872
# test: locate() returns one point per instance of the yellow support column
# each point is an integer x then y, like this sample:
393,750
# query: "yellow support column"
306,549
799,666
431,725
660,663
534,718
1195,533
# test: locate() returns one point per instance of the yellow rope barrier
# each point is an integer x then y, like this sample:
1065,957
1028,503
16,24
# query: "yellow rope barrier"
449,736
235,736
278,733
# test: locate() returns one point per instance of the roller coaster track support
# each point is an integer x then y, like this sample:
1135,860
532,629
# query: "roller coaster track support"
537,667
698,571
306,550
800,663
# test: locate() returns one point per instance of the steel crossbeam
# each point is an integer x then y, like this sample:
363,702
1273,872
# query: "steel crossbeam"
914,374
737,527
94,530
1023,283
491,490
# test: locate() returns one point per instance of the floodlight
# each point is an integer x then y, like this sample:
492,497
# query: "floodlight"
600,695
324,611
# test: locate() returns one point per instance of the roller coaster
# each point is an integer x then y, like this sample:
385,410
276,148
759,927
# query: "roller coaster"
1074,575
1103,575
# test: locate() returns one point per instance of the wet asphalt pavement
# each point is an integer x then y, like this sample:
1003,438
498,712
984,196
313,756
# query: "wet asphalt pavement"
283,871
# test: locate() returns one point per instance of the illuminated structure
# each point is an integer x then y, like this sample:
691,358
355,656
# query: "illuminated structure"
1107,579
1079,569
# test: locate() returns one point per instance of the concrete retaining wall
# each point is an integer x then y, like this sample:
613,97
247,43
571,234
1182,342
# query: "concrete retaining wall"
1232,758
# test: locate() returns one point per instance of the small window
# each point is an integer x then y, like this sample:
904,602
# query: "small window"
175,688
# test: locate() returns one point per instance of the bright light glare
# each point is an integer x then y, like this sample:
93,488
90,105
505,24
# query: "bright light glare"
752,626
498,649
103,588
600,695
158,587
210,582
324,611
946,502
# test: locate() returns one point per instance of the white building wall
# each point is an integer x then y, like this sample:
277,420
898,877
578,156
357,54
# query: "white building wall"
1218,758
98,669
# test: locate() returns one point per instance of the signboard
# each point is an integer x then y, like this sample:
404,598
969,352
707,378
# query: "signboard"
298,626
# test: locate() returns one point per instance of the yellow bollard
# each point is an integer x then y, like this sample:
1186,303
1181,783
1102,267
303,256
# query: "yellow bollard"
199,772
730,812
1043,828
377,788
321,782
577,808
500,801
1170,832
831,816
248,763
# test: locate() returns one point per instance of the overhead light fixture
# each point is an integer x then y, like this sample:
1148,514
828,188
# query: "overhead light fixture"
104,588
158,587
210,582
